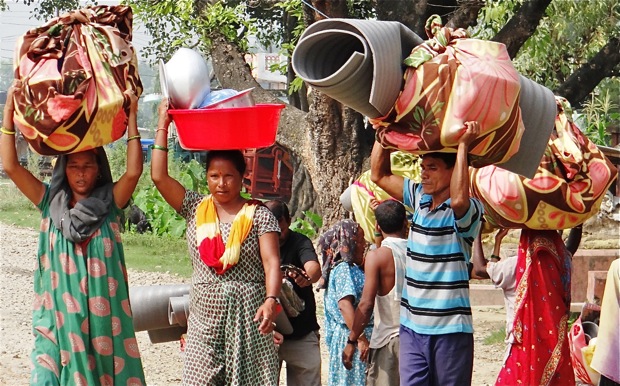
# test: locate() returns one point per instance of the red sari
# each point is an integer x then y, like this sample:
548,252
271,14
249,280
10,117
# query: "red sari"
540,354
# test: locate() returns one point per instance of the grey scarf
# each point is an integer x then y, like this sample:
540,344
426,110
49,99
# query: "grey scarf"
77,224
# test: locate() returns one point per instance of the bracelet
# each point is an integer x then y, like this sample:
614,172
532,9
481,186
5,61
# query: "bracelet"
161,129
134,137
275,298
378,234
353,342
496,257
157,147
6,131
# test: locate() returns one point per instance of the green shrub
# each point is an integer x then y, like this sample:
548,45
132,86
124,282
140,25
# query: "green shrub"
308,225
163,218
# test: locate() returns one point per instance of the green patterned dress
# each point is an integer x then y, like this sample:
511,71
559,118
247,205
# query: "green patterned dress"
82,320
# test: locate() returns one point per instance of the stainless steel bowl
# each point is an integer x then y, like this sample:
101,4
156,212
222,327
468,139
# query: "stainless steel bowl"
186,78
242,99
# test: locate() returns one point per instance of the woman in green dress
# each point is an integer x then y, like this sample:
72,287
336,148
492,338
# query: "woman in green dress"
82,320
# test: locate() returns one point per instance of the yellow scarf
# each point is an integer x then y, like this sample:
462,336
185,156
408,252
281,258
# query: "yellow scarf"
209,239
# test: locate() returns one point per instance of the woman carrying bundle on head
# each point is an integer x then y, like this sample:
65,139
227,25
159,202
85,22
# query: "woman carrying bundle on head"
82,321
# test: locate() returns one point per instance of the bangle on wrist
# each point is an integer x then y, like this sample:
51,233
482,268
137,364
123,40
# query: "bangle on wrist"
378,234
353,342
6,131
157,147
496,257
275,298
162,129
134,137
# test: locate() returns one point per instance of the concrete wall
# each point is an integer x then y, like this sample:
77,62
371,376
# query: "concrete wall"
589,260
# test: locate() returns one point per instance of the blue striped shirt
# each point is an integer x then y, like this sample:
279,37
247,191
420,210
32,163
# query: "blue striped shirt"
436,291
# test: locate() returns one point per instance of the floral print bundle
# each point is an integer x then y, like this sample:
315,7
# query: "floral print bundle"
567,189
452,79
73,72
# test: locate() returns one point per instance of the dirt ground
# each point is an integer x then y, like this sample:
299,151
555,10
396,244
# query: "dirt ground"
163,361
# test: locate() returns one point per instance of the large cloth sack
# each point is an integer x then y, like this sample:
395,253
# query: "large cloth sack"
363,190
567,189
74,70
452,79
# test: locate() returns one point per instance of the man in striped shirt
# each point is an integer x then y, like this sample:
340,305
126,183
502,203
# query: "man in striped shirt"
436,333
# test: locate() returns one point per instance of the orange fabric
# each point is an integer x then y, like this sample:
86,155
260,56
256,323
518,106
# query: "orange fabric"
74,70
211,247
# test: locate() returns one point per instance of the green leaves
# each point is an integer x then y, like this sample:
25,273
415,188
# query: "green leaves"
162,217
598,114
308,225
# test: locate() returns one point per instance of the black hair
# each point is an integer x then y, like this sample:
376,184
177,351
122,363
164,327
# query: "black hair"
279,210
390,216
448,158
234,156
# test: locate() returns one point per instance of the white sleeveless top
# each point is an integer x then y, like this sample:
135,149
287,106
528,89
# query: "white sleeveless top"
387,307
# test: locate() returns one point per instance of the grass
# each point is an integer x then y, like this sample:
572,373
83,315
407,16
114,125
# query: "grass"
15,209
144,252
496,337
148,252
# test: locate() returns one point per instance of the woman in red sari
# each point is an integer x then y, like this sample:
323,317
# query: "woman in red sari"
539,354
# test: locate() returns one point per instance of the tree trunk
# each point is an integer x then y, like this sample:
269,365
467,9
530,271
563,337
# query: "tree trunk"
466,15
522,25
583,81
232,71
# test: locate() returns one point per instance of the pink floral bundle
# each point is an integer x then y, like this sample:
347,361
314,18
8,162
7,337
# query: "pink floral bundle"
452,79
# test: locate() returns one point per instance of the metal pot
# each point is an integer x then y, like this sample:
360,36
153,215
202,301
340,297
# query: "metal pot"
186,79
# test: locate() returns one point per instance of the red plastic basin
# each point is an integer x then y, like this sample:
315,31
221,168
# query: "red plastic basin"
231,128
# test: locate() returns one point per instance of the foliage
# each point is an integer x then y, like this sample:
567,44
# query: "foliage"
569,35
308,225
174,24
47,9
163,218
34,164
160,215
598,114
567,38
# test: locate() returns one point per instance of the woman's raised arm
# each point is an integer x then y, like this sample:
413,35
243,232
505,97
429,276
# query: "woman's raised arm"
171,190
125,186
25,181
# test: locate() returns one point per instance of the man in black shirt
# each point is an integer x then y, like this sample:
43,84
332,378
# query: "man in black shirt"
300,350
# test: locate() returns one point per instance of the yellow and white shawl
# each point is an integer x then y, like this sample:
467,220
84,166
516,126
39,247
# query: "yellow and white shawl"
209,241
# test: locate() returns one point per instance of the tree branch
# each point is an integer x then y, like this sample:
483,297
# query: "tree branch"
466,15
581,82
522,25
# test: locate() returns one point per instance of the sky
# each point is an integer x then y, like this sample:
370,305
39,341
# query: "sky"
16,21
